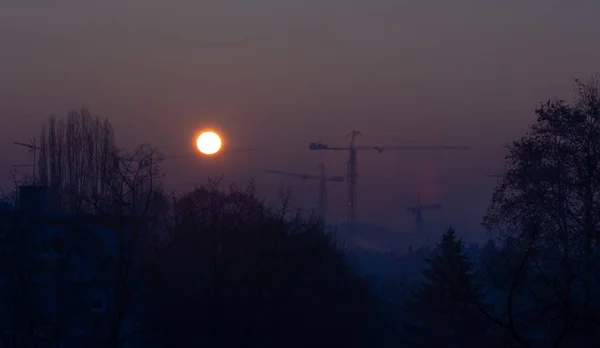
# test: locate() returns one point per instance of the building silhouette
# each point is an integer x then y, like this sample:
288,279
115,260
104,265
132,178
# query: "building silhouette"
61,273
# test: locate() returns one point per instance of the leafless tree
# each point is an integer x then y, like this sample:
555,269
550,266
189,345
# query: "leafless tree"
133,208
75,159
553,177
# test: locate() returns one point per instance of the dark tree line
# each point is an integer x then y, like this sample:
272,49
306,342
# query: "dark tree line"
240,275
139,267
216,267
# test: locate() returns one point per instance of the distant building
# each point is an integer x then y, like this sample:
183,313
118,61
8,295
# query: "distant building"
60,272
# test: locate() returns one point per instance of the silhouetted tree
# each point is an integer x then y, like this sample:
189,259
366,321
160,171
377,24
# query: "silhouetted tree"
553,177
241,275
134,211
505,273
76,159
442,312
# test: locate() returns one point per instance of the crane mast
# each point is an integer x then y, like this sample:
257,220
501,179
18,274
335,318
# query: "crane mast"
323,179
322,192
417,210
352,178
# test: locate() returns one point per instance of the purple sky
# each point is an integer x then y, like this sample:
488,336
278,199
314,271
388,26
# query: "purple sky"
277,75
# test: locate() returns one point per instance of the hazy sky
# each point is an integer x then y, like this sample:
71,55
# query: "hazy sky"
277,75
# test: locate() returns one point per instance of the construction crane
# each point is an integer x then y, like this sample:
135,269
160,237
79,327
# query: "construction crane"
32,148
352,171
322,187
417,211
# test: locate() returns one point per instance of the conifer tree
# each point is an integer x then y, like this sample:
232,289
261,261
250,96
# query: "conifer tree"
442,311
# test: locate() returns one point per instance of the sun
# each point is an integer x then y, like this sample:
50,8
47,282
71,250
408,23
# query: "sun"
209,143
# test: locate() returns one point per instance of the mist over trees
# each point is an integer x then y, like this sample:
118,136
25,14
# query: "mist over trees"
114,260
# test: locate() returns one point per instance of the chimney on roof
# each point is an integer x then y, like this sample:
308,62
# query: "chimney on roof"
32,200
